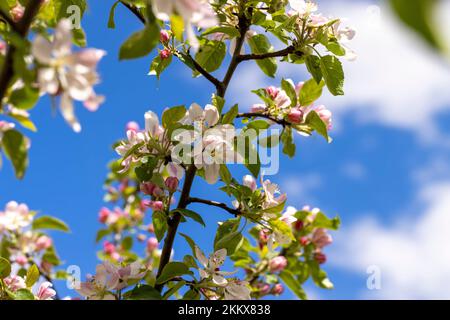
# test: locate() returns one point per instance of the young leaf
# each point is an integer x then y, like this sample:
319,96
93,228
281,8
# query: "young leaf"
23,294
173,270
140,43
5,268
160,224
317,124
290,91
32,276
49,223
191,214
293,284
143,292
112,12
311,91
16,150
313,66
334,74
172,116
229,117
211,55
260,44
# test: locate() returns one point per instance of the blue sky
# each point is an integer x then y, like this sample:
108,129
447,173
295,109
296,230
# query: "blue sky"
385,174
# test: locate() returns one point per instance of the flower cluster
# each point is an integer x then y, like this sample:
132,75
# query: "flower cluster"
29,252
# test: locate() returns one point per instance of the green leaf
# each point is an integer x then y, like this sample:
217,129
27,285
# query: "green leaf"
23,294
5,268
311,91
140,43
313,66
333,73
293,284
143,292
112,12
173,290
322,221
228,236
15,147
24,98
190,242
158,66
218,102
101,234
24,121
336,48
225,174
211,55
230,31
191,295
160,224
173,270
287,139
317,124
419,16
290,91
172,116
190,214
32,276
177,26
50,223
260,44
229,117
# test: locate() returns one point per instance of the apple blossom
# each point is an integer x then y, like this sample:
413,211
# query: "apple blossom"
15,216
277,289
277,264
249,181
237,290
43,242
321,238
14,283
45,291
132,125
164,36
258,108
165,54
172,184
193,12
71,75
212,265
156,205
303,7
99,287
295,116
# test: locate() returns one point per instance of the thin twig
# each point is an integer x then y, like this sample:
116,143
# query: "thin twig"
281,122
223,206
276,54
135,11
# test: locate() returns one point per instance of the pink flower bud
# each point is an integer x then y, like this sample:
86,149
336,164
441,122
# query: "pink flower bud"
156,205
21,260
277,264
17,12
272,91
321,238
277,289
14,283
299,87
304,241
298,225
133,126
164,36
320,257
151,229
258,108
2,47
250,182
165,54
108,247
172,184
152,244
148,188
264,288
295,116
103,215
263,236
43,242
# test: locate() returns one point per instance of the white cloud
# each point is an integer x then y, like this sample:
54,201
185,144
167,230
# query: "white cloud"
412,255
396,81
354,170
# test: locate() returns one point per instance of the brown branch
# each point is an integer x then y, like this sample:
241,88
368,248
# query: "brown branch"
135,11
21,28
276,54
223,206
281,122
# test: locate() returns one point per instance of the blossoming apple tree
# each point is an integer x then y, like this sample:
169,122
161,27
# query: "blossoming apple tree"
265,245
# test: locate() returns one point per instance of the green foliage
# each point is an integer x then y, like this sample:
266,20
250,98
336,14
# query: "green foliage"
49,223
173,270
160,224
143,292
32,276
293,284
315,122
260,44
5,268
15,147
333,74
190,214
210,55
311,91
159,65
140,43
228,236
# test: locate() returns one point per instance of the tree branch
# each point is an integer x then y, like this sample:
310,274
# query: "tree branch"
223,206
135,11
276,54
21,28
281,122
